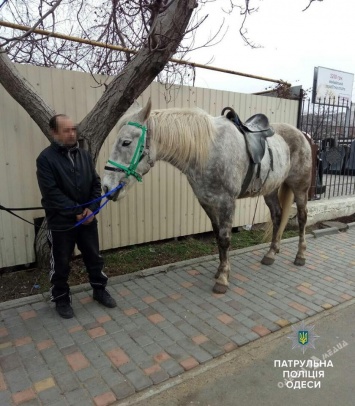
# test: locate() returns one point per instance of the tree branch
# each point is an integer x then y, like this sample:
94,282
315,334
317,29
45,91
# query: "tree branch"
310,2
3,3
15,40
24,94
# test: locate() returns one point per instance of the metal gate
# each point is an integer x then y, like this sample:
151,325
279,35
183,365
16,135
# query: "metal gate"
331,126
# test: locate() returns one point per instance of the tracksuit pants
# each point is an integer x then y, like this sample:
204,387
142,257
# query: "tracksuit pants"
62,244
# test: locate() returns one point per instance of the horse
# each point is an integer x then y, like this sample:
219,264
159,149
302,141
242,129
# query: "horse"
212,153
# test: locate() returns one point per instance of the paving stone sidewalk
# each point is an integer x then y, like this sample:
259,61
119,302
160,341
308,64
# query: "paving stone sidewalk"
166,323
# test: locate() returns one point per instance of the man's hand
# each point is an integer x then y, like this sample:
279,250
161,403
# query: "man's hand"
85,213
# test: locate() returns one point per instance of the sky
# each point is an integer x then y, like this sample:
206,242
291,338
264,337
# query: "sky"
293,42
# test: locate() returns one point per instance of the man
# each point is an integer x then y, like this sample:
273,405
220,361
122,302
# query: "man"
67,179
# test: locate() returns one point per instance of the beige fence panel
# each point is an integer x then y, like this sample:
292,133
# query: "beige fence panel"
161,207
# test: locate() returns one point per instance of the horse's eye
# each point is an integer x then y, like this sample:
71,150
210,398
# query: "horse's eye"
126,143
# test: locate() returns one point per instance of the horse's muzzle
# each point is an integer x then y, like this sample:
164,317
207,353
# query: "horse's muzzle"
111,196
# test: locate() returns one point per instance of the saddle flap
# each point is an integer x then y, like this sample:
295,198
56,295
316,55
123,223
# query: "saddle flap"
256,146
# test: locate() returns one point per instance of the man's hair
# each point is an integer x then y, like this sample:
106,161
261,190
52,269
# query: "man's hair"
53,122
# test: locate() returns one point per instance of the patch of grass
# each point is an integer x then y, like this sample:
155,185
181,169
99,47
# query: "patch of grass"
154,254
122,261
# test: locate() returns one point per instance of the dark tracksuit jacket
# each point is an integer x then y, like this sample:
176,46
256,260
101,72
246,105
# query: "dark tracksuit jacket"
66,178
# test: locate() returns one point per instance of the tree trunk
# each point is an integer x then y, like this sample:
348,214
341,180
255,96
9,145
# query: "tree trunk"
42,249
137,75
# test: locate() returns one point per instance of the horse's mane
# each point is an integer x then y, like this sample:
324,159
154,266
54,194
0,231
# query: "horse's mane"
183,136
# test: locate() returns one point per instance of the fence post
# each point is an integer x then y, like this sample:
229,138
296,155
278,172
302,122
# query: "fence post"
312,191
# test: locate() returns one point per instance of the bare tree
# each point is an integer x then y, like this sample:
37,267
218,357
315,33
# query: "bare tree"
135,24
132,25
155,29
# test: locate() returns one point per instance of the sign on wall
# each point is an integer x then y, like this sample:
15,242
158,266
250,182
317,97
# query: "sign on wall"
332,86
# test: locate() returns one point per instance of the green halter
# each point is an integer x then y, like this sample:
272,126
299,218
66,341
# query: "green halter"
131,170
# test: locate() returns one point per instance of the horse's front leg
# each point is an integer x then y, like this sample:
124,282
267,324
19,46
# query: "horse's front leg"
272,201
221,217
301,198
222,275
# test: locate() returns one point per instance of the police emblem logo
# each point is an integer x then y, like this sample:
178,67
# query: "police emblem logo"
303,337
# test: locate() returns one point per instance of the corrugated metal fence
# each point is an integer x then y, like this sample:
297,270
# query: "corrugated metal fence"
164,206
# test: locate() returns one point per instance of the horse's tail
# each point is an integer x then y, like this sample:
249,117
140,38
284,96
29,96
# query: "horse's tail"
286,199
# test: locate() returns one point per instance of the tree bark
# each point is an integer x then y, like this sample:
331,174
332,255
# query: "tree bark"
42,249
23,92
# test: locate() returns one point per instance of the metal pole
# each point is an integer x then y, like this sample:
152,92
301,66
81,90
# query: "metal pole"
132,51
300,109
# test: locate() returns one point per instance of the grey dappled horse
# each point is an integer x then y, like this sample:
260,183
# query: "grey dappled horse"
212,153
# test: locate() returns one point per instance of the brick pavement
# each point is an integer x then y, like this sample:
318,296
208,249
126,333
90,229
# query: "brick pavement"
166,323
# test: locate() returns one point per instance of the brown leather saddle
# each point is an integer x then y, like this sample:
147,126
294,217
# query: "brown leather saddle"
256,130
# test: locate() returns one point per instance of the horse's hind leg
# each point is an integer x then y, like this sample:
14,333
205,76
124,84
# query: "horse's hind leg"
273,203
301,198
222,221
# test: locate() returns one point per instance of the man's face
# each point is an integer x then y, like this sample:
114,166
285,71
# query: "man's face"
66,132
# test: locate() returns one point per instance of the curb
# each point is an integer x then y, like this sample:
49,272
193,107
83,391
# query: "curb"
325,231
23,301
43,297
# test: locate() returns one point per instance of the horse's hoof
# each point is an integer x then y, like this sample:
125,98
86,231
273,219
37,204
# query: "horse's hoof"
220,289
299,261
267,261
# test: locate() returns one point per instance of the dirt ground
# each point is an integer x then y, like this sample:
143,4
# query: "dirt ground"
30,281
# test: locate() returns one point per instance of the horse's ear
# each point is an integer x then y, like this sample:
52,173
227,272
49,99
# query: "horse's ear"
145,112
134,108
